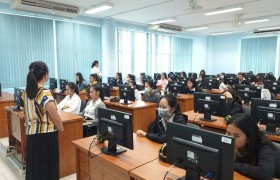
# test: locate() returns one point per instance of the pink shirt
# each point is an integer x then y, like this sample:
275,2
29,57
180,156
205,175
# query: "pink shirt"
163,83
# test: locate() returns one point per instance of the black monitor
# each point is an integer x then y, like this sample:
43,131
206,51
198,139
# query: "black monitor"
53,83
116,127
147,77
210,76
112,81
202,153
157,76
175,87
106,89
250,77
266,112
178,73
132,77
267,76
62,84
228,75
0,91
210,83
231,81
170,74
209,104
17,99
246,92
192,75
127,94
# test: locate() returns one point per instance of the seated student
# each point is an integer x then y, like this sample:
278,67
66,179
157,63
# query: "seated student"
202,74
163,81
119,78
191,87
265,93
92,81
183,74
80,82
129,78
137,93
242,80
233,104
141,78
91,110
168,111
72,102
222,85
151,94
254,154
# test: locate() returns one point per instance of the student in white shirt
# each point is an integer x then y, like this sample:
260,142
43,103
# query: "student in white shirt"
137,93
72,102
95,69
265,93
221,79
91,111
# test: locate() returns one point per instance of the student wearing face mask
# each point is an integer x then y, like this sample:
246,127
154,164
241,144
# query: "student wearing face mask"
222,85
137,93
265,93
151,94
255,156
168,111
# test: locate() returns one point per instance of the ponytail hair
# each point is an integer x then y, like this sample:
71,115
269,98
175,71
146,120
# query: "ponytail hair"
73,87
94,63
37,70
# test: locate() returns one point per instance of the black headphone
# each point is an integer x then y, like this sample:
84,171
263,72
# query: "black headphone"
162,153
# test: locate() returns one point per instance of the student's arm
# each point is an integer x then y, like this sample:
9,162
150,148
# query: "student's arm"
61,104
55,118
264,170
73,106
154,132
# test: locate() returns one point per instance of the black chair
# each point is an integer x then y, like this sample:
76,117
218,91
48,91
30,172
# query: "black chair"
83,105
277,161
90,130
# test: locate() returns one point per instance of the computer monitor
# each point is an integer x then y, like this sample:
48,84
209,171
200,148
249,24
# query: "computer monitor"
175,87
210,76
106,89
210,83
116,127
267,76
147,77
132,77
170,74
228,75
246,92
250,77
231,81
157,76
178,73
53,83
266,112
62,84
17,99
201,153
192,75
112,81
127,93
209,104
0,91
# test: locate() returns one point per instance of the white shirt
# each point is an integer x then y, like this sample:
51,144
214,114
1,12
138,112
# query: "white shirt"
138,96
70,104
223,86
170,120
95,70
91,109
265,94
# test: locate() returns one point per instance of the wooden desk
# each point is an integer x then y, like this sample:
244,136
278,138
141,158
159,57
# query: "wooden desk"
6,100
213,91
115,91
60,96
186,102
143,113
73,130
157,169
104,167
218,126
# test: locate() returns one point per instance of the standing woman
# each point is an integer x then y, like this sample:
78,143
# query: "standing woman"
95,70
42,126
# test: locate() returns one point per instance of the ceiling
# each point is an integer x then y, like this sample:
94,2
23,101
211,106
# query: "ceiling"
145,11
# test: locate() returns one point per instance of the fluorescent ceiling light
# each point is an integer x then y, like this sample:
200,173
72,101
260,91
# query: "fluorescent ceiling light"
163,21
269,28
256,21
197,28
223,11
221,33
99,8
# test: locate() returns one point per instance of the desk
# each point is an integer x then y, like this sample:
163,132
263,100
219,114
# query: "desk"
72,130
143,113
213,91
218,126
60,96
105,167
115,91
6,100
186,102
156,170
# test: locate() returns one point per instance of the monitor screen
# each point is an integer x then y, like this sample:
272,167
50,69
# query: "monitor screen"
106,89
112,81
62,84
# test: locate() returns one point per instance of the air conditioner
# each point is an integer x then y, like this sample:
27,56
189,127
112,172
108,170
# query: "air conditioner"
267,31
165,28
45,7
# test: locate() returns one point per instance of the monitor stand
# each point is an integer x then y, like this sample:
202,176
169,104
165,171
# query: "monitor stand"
112,148
191,175
207,117
271,129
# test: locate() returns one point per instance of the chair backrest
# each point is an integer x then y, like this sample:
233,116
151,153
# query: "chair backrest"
277,161
83,105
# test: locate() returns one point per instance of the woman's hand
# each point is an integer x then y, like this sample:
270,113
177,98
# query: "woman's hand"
141,133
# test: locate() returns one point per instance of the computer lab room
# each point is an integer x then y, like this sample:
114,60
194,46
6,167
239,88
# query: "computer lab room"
139,90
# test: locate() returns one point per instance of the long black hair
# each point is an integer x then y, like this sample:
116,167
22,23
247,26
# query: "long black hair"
100,90
184,74
37,70
151,83
81,78
204,73
120,75
94,63
164,74
172,102
250,128
193,82
73,87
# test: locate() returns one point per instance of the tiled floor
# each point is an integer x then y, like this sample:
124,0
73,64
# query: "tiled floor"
8,168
